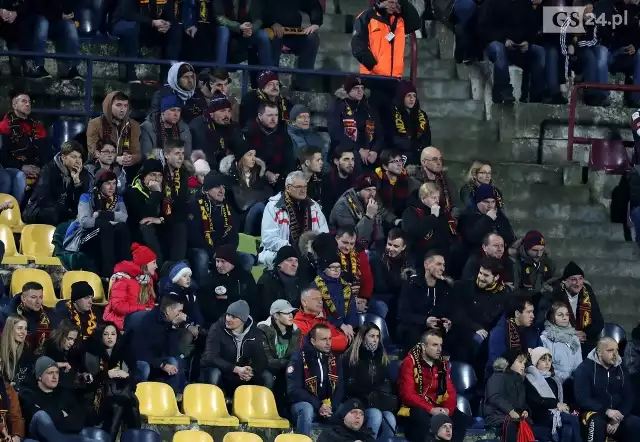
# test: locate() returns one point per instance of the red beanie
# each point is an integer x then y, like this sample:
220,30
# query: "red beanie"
142,255
266,77
531,239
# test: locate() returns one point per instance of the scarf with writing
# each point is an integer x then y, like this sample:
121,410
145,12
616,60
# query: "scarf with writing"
514,340
328,301
297,226
416,124
351,125
87,323
418,381
585,317
311,382
171,188
125,136
564,335
156,8
351,269
207,219
281,102
43,329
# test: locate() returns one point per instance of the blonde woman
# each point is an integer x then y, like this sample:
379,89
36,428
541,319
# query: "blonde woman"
480,172
17,360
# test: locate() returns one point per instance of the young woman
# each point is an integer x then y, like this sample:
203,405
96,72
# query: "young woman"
479,173
17,360
114,400
561,340
367,379
545,398
132,286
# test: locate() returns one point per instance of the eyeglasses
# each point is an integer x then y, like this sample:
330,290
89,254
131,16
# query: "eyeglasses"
397,161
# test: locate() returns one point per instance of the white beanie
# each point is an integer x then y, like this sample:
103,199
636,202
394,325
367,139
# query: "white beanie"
537,353
202,167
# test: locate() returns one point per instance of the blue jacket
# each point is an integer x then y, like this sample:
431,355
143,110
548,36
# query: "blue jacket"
498,338
153,339
296,386
191,305
305,137
597,388
336,287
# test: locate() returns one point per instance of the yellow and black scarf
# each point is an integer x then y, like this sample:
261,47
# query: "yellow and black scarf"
207,220
401,127
311,382
171,187
418,381
326,296
280,102
351,266
88,329
294,223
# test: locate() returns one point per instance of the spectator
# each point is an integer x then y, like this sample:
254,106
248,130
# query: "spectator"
213,131
301,133
181,82
268,92
131,286
509,32
479,173
309,243
163,127
234,351
12,422
40,319
545,398
426,389
16,29
562,341
101,229
196,180
354,125
633,178
281,282
426,223
409,124
114,399
135,26
338,179
355,269
116,128
515,331
230,282
532,268
271,142
51,412
202,28
347,424
155,344
602,395
584,311
441,428
249,188
367,380
393,182
311,313
310,160
79,309
492,246
358,208
287,216
60,184
315,389
17,358
24,145
482,218
105,161
62,346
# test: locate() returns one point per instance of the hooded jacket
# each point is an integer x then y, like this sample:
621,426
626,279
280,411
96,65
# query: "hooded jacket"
419,301
335,287
105,124
505,391
243,196
339,432
529,274
305,322
27,150
426,231
226,289
368,230
185,97
123,297
273,338
274,285
598,388
149,136
350,122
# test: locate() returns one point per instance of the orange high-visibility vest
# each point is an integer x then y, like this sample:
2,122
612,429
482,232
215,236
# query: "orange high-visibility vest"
388,54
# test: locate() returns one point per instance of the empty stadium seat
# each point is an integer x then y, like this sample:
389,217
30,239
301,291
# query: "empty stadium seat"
206,404
73,276
257,272
11,217
248,243
289,437
65,130
610,156
463,376
192,436
36,243
477,427
21,276
255,406
140,435
158,404
96,434
237,436
394,370
11,255
614,331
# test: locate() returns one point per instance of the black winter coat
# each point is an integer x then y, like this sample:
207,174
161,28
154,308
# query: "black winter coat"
74,357
388,276
425,231
505,391
341,433
368,380
33,319
214,143
472,267
225,289
61,399
271,286
501,20
540,406
476,308
141,203
474,226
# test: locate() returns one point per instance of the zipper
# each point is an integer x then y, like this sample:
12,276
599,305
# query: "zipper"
321,372
393,46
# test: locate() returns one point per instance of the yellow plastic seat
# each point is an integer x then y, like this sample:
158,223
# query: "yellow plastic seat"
158,404
238,436
248,243
11,255
74,276
257,272
21,276
206,404
256,406
192,436
290,437
11,217
36,243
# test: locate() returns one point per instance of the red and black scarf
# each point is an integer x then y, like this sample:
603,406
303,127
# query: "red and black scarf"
585,315
311,382
43,329
418,381
393,194
22,133
514,342
125,136
351,125
162,136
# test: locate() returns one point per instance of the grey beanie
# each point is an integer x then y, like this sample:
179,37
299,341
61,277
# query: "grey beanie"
43,364
297,110
239,309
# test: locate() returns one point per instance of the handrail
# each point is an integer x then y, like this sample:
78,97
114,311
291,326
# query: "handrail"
571,138
414,58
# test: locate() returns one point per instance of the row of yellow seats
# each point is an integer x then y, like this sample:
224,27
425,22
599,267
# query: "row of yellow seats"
35,245
253,405
234,436
21,276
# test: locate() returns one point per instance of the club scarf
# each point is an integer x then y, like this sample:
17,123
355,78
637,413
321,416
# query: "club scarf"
418,381
496,194
156,8
326,296
125,136
161,132
421,119
215,138
281,102
171,187
294,222
351,266
448,202
311,382
496,287
87,329
526,280
351,126
358,214
585,317
207,219
103,373
43,329
103,203
513,336
393,193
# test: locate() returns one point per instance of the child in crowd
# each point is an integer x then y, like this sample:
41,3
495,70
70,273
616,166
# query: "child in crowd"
201,169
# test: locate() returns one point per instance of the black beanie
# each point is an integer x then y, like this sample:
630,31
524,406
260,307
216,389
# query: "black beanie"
150,165
572,269
328,257
80,289
438,421
284,253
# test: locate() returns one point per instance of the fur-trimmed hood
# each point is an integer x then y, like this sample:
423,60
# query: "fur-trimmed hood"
228,166
342,94
500,365
305,243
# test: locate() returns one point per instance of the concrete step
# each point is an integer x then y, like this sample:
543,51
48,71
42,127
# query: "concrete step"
615,286
508,173
607,268
571,230
524,210
439,88
568,248
543,194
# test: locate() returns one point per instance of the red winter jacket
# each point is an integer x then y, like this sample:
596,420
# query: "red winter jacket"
306,321
123,299
407,388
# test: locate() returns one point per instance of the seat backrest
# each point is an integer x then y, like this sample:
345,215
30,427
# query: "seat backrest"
610,156
463,376
10,217
96,434
21,276
65,130
156,399
238,436
254,402
463,405
74,276
614,331
192,436
289,437
6,236
382,325
37,240
140,435
204,401
394,370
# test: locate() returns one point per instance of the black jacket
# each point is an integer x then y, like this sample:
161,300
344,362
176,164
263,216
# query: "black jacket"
287,13
225,289
419,301
408,135
189,298
368,380
213,139
74,357
153,339
274,147
505,391
501,20
625,34
426,231
474,226
339,432
180,199
131,10
251,102
333,187
388,275
477,308
272,286
196,225
240,195
34,399
33,319
472,267
540,406
141,203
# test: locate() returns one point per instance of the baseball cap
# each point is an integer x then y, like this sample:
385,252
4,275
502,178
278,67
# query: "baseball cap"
281,306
